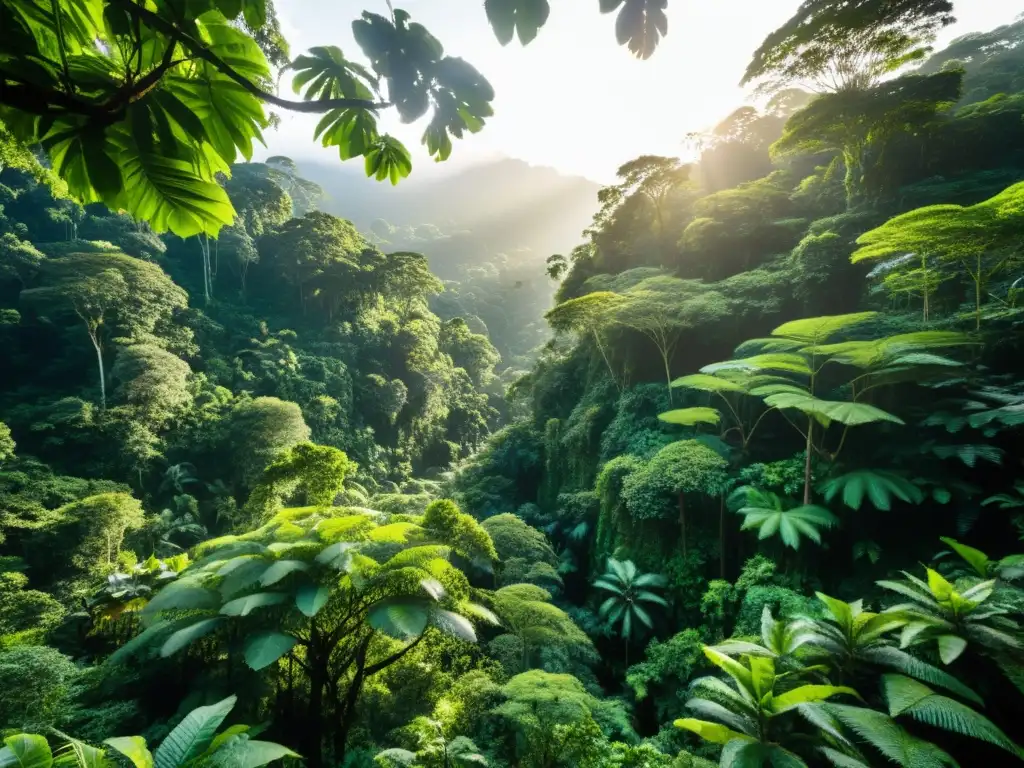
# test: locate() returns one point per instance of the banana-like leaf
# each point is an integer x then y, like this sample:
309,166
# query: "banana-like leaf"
193,735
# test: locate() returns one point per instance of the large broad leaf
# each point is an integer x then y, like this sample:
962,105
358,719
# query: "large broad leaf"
189,635
193,735
817,330
400,617
713,732
311,598
243,606
182,595
264,648
242,752
850,414
25,750
689,417
879,486
508,17
168,194
134,748
707,383
280,569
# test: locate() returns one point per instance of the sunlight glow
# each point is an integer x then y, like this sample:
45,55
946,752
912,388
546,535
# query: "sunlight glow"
573,99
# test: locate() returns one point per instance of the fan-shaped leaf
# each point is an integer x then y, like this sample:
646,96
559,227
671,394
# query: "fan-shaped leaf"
879,486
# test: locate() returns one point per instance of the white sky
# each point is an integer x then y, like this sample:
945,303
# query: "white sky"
573,99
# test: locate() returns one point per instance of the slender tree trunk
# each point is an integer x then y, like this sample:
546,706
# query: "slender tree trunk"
682,522
99,362
807,460
668,373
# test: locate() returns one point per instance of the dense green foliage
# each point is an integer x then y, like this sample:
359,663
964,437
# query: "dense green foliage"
744,495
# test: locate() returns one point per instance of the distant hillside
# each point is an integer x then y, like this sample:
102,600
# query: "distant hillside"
505,206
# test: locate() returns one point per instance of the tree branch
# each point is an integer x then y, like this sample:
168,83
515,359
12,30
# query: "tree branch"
200,51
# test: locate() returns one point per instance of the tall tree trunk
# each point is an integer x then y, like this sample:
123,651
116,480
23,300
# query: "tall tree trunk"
99,362
682,523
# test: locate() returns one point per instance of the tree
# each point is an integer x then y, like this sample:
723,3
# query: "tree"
316,473
525,553
650,178
113,295
791,362
353,592
837,46
538,702
977,239
677,470
659,308
587,315
854,121
629,588
309,252
153,383
526,612
406,277
37,680
473,352
257,430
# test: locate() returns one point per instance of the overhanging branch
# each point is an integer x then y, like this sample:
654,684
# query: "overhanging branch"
200,51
